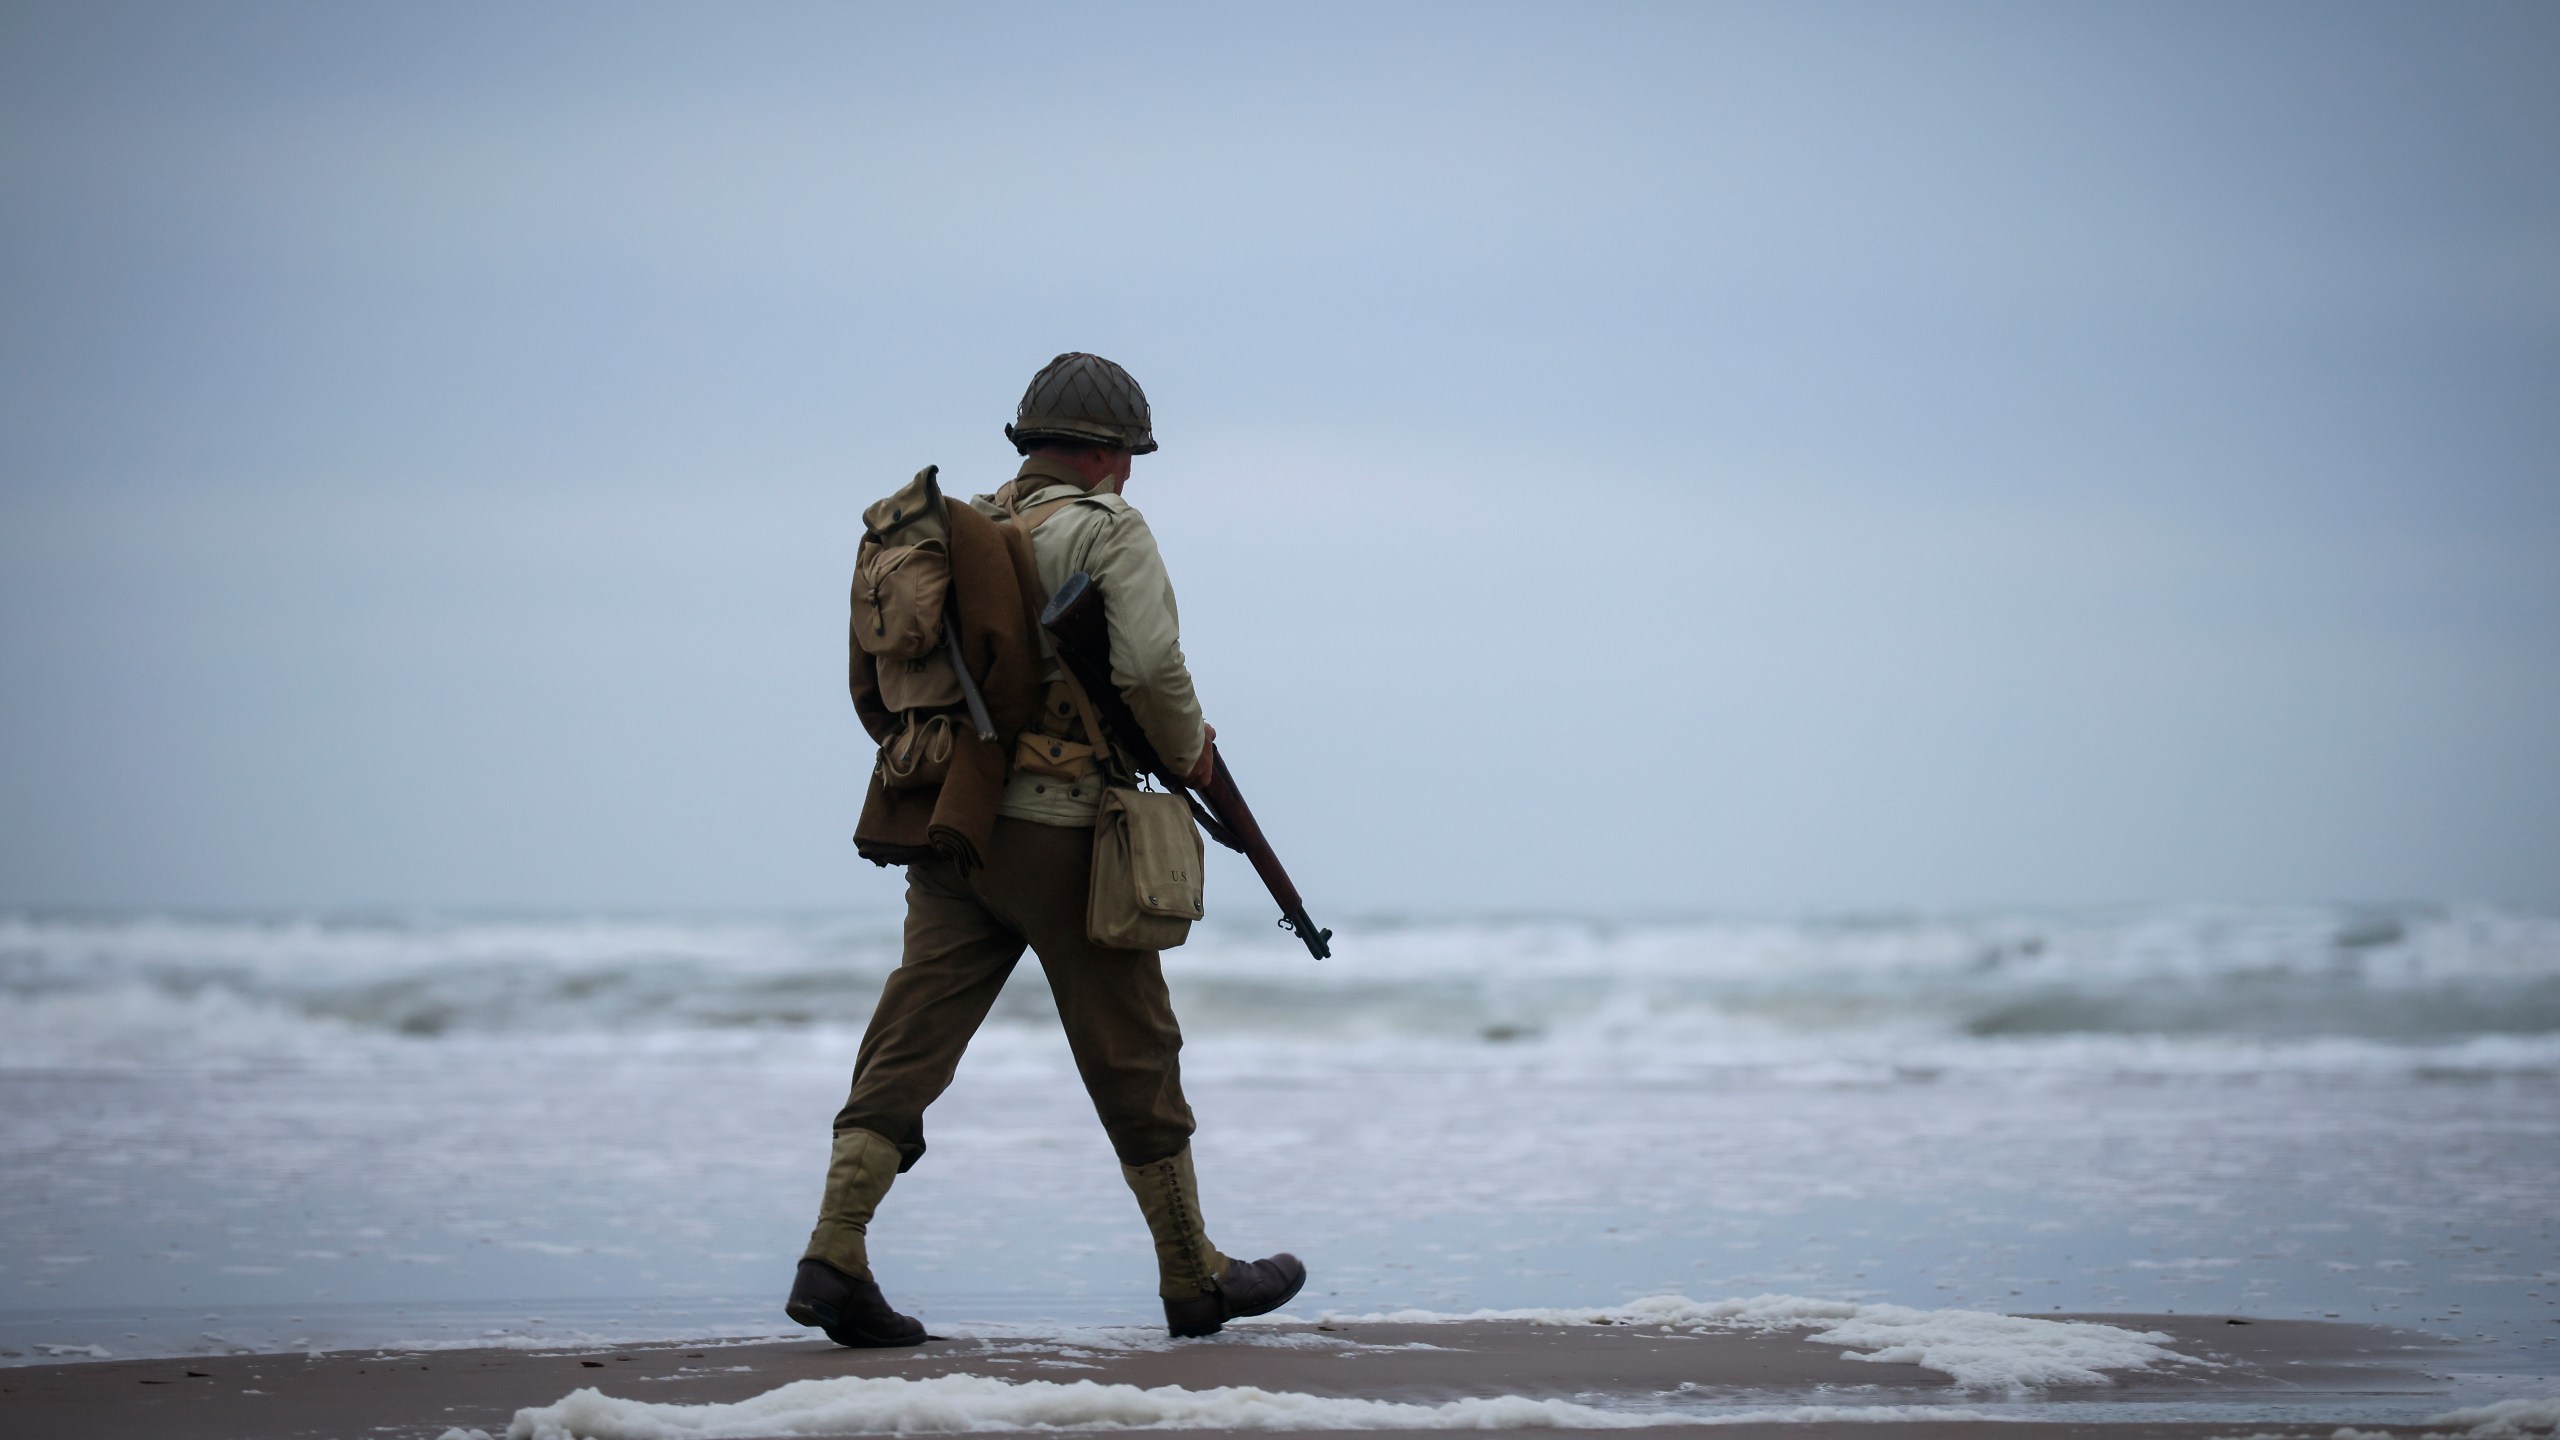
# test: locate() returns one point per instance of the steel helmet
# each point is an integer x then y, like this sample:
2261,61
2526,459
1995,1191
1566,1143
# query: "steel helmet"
1085,399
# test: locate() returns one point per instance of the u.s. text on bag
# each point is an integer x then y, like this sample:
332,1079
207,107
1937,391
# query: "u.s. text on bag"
923,682
1147,859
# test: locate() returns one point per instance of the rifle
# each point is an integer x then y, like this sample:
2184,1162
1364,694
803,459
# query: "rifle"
1076,620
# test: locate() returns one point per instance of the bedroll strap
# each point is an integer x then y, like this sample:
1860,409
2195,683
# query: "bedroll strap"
1038,515
1106,754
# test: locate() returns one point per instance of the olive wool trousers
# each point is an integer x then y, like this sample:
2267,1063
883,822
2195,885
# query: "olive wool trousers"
964,935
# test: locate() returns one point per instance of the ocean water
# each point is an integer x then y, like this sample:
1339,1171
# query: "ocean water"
290,1131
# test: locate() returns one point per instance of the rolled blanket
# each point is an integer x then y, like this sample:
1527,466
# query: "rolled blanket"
995,591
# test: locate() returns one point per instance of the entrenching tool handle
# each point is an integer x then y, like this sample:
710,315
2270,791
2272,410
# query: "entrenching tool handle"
1075,619
968,683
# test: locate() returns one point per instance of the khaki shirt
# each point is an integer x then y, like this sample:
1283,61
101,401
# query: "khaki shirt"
1104,536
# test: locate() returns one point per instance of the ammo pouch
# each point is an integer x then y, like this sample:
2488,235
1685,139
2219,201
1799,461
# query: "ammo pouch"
1040,753
919,755
1146,871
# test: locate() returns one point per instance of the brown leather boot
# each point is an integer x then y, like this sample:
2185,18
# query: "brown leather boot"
1250,1287
1202,1289
850,1308
833,1289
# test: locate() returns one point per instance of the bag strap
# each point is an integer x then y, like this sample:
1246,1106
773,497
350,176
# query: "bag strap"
1106,755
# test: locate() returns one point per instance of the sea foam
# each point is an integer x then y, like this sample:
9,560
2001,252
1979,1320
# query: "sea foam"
1979,1350
942,1404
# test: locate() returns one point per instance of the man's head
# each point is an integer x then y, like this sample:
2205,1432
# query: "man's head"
1083,400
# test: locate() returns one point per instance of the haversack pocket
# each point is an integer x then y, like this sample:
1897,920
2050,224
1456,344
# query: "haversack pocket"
926,682
899,592
1147,859
919,754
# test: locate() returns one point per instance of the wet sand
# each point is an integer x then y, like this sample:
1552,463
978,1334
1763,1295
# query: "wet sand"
2316,1375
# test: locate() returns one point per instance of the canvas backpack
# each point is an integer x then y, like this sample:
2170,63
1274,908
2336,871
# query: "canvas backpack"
901,615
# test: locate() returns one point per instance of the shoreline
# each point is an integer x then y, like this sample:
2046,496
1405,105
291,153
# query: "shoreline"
2214,1378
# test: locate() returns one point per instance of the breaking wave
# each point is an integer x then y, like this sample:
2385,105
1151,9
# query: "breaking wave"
2468,987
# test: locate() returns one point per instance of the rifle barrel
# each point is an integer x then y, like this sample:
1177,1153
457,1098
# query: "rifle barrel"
1228,802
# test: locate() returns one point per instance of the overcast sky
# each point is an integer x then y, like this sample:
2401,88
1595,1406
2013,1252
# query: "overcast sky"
1616,457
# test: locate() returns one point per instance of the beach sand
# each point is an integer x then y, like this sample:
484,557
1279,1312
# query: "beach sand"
2262,1377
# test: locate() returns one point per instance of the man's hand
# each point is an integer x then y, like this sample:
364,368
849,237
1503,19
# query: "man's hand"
1208,762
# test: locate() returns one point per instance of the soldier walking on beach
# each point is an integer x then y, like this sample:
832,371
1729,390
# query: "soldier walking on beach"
982,888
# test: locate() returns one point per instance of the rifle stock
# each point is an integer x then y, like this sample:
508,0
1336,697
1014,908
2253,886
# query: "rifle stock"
1075,619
